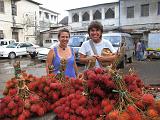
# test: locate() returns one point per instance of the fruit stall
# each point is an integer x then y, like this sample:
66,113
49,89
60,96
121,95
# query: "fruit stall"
97,94
153,54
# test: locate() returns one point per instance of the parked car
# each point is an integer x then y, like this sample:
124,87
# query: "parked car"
34,50
42,54
15,49
75,42
5,42
49,42
117,39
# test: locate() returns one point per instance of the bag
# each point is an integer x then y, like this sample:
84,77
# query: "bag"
104,52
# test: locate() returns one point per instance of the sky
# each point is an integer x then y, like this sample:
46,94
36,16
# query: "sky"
60,6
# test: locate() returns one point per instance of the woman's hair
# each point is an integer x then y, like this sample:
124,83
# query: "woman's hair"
63,30
95,24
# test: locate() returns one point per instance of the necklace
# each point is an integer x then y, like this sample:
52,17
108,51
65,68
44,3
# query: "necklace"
63,48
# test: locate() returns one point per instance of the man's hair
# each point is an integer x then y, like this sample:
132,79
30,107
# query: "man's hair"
95,24
63,30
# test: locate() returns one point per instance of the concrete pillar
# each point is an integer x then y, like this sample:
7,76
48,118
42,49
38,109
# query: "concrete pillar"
80,16
70,18
103,14
91,15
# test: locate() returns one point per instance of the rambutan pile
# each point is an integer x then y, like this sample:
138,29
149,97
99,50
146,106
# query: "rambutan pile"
102,94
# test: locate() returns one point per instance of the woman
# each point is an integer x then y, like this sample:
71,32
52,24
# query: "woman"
62,51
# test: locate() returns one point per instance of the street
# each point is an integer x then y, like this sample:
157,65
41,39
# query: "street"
147,70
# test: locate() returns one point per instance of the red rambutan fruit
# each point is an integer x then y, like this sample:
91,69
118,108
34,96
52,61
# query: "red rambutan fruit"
113,115
152,113
11,105
108,108
148,99
66,116
40,111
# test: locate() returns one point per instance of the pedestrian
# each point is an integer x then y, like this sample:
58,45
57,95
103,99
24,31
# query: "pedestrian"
91,50
62,52
139,51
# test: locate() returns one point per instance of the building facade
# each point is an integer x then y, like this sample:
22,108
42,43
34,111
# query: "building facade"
137,17
47,18
107,14
22,20
19,23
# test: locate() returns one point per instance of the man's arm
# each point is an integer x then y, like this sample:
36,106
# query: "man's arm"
49,60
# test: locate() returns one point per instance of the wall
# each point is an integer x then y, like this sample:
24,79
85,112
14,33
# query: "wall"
6,20
152,18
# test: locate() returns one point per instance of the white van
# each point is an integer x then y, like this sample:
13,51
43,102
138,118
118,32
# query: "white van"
75,42
47,43
117,39
6,42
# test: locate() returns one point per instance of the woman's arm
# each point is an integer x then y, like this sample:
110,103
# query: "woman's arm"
75,66
49,60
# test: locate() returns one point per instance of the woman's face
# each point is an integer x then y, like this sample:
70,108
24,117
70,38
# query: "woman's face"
95,34
64,38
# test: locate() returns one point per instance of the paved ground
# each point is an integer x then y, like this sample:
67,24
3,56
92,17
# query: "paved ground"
149,71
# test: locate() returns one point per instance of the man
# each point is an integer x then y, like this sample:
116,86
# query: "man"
139,51
91,50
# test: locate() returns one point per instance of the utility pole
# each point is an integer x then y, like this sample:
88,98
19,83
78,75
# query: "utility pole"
119,13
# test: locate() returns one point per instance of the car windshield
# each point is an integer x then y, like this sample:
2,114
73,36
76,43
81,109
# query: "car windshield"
115,40
76,41
13,45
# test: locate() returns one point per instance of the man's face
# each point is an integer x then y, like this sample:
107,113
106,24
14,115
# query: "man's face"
95,34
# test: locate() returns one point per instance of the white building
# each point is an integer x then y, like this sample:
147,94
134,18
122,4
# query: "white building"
21,20
137,17
18,20
140,17
107,14
47,18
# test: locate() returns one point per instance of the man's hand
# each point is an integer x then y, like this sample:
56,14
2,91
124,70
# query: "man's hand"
100,58
92,58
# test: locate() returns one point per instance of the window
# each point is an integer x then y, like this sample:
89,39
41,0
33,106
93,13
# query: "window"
1,34
85,17
51,17
109,14
55,18
75,18
40,13
145,10
158,8
1,6
14,9
130,12
97,15
46,15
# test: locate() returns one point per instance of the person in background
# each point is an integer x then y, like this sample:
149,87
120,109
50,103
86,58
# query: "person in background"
139,51
87,54
62,51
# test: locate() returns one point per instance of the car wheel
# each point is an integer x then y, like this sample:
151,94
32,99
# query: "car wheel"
12,55
122,64
130,60
33,55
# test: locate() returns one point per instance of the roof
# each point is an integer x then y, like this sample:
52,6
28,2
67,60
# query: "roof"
64,21
115,1
48,10
32,1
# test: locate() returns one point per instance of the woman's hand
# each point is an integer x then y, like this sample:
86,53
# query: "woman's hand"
80,76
